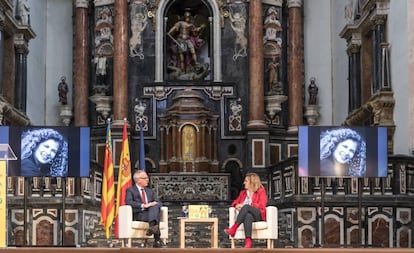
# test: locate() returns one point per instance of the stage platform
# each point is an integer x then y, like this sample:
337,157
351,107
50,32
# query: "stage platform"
202,250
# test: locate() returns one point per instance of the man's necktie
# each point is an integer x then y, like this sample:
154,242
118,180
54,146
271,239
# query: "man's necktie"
144,200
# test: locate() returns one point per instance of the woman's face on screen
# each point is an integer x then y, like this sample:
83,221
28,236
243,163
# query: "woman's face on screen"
46,151
345,151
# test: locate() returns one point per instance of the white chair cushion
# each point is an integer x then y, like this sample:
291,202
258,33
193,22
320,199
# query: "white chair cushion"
139,225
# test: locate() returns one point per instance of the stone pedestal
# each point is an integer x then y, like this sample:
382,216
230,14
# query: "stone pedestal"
274,104
311,114
66,114
102,104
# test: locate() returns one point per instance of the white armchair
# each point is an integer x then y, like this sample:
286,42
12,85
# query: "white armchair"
267,230
129,229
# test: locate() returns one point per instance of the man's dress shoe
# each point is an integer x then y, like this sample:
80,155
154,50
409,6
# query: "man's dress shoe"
152,230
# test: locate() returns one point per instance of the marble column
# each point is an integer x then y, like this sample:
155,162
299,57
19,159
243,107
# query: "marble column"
81,62
162,150
121,60
354,77
295,65
203,140
2,26
174,140
20,87
256,69
379,38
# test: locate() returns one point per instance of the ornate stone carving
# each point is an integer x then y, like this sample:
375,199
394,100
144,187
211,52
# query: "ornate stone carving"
238,24
159,92
235,117
104,42
201,187
272,41
139,110
216,92
152,12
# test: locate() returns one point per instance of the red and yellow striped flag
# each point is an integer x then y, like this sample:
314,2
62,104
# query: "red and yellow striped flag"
124,176
108,187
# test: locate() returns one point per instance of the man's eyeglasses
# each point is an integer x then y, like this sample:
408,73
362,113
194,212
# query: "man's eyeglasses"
143,177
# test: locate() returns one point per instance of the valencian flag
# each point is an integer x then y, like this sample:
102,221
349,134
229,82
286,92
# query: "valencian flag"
141,146
124,176
108,187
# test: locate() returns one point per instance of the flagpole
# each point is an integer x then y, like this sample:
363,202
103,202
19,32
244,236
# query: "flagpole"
142,145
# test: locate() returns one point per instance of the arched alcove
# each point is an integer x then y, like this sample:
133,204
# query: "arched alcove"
165,9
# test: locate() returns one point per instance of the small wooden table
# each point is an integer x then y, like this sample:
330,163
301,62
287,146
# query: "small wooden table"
214,229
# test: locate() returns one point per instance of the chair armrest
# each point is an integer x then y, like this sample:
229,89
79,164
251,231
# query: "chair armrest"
124,221
272,221
164,214
232,215
164,223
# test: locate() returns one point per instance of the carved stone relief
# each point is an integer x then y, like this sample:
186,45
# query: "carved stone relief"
237,15
139,21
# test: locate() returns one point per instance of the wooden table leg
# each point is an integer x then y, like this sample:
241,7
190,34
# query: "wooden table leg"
214,235
182,233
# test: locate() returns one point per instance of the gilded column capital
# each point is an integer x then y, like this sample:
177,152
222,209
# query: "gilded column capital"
354,43
379,14
20,44
382,105
295,3
81,3
353,48
378,19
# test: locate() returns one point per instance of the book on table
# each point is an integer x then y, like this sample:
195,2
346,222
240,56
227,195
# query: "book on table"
197,211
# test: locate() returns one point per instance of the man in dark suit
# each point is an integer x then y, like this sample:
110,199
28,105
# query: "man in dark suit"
145,205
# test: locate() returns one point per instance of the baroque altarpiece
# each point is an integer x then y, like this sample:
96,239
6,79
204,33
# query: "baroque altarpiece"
216,87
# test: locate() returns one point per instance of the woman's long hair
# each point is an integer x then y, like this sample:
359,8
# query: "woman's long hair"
32,138
331,138
254,181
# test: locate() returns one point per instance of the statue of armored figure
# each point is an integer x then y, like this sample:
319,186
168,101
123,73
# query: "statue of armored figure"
186,40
